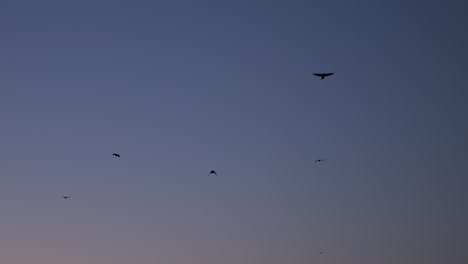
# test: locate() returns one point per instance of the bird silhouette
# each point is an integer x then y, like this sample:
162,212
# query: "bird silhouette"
213,172
319,160
323,75
321,252
65,197
116,155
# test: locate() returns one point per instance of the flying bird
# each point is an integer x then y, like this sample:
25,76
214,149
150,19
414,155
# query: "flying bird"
319,160
65,197
323,75
116,155
213,172
321,252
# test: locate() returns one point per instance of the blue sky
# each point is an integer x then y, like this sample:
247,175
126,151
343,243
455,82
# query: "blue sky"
181,88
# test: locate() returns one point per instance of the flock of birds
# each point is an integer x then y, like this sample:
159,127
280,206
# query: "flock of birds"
213,172
321,75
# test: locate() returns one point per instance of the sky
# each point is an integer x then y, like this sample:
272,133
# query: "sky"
179,88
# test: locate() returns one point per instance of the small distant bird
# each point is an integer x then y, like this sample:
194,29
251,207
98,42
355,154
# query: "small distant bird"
65,197
116,155
323,75
319,160
321,252
213,172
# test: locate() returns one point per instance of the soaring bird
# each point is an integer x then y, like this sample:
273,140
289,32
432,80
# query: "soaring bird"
116,155
323,75
213,172
65,197
319,160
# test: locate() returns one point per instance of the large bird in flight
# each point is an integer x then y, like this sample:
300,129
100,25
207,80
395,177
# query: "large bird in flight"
323,75
116,155
213,172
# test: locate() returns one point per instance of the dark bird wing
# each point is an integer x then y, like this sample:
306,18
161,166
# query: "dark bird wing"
323,75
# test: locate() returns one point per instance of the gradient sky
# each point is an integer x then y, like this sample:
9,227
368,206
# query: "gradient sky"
179,88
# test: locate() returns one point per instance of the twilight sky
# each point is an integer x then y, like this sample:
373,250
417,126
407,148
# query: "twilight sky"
179,88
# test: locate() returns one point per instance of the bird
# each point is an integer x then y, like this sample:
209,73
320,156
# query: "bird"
319,160
323,75
116,155
213,172
321,252
65,197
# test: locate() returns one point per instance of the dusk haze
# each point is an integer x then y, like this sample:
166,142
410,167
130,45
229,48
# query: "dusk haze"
233,132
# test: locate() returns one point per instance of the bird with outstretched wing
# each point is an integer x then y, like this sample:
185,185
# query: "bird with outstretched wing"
213,172
116,155
323,75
